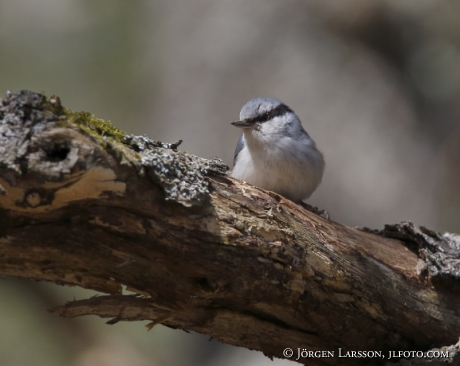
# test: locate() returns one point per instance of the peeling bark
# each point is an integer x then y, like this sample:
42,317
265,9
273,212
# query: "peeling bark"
82,204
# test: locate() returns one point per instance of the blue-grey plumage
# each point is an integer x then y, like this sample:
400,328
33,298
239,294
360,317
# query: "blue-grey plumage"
274,152
239,146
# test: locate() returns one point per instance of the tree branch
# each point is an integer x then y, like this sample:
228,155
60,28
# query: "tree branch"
83,204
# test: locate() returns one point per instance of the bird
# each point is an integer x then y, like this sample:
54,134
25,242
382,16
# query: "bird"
274,152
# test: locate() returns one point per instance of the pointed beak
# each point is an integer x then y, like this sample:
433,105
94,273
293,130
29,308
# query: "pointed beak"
242,124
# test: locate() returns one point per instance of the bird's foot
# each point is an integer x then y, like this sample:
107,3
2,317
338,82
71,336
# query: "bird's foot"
322,213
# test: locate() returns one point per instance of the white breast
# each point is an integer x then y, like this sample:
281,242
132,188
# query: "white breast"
286,166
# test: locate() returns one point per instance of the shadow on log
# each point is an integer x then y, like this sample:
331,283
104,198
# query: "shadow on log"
83,204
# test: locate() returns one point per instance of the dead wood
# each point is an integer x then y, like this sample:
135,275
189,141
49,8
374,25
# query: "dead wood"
83,204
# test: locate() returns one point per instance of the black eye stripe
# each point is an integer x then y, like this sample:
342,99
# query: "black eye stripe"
275,112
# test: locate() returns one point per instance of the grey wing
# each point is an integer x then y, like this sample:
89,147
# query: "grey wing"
239,147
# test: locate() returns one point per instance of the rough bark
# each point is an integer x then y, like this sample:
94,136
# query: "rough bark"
82,204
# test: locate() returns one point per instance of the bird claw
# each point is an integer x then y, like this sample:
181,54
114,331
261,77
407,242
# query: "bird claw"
322,213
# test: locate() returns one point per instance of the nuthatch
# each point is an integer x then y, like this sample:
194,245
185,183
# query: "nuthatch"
274,152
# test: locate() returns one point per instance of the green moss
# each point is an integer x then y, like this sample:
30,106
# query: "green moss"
93,126
85,121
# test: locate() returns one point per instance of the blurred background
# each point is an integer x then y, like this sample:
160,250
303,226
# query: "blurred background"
376,84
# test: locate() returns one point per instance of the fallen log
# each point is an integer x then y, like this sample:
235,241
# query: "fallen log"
84,204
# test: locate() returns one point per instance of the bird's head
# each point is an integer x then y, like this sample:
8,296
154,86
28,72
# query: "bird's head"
267,117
